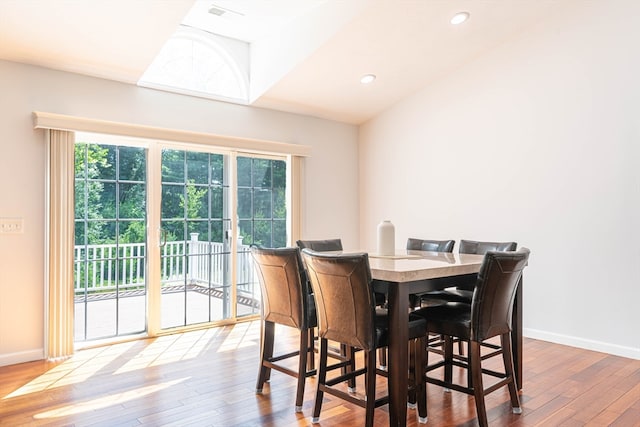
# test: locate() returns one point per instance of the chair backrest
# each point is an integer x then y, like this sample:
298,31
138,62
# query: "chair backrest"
284,290
430,245
325,245
344,297
481,248
495,291
321,245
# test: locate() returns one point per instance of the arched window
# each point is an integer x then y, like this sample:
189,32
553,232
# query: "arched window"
198,63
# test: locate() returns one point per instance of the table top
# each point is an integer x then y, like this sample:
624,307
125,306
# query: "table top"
407,265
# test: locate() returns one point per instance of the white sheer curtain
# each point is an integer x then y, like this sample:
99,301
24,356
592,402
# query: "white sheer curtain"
60,239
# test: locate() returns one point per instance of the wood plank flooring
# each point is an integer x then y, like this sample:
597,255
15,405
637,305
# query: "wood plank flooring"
207,378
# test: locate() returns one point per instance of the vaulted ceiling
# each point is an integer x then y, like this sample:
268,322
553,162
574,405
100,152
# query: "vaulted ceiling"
310,54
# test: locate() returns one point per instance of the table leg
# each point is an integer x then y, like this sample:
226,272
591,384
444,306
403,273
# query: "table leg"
398,354
516,335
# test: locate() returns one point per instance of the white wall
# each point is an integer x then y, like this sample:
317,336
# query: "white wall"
330,204
537,142
275,55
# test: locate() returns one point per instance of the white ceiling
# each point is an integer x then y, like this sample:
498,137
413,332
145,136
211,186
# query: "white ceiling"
408,44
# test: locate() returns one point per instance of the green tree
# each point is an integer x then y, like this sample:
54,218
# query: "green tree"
102,190
90,160
262,201
193,202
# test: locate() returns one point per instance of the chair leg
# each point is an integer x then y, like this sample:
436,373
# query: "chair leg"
420,351
382,355
311,348
302,368
266,352
413,374
475,365
448,359
424,376
469,376
370,385
507,357
351,355
322,378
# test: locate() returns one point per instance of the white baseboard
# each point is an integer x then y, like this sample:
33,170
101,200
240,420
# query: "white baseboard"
21,357
603,347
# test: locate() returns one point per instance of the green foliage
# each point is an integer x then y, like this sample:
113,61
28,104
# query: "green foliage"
135,232
90,159
110,198
194,200
110,202
262,209
109,179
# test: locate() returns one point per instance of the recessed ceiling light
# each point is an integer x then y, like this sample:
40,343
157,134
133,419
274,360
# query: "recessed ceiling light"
214,10
367,78
219,11
459,18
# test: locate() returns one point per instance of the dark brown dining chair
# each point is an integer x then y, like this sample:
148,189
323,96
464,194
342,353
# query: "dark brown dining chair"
416,300
325,245
347,314
344,352
488,316
329,245
463,292
414,244
285,301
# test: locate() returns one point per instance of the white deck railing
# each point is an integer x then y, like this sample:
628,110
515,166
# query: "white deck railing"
100,267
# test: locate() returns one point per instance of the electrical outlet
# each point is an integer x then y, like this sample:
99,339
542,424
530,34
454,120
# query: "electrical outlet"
11,225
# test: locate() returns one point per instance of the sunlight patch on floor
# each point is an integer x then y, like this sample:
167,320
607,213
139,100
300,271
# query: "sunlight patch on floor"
106,401
80,367
173,348
243,335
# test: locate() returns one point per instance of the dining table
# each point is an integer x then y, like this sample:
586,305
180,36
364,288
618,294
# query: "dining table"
408,272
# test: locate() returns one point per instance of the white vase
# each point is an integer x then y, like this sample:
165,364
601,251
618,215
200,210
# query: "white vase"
386,238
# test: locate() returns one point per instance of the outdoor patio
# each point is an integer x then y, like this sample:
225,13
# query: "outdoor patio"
193,274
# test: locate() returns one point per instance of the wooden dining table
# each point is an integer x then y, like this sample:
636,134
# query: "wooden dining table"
408,272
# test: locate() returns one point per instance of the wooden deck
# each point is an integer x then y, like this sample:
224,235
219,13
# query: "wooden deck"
101,322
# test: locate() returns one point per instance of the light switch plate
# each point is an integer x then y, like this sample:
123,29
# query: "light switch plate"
11,225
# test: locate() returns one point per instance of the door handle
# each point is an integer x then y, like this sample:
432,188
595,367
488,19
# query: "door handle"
162,238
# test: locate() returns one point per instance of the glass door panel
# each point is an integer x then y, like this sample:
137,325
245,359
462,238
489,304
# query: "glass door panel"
262,220
195,253
110,241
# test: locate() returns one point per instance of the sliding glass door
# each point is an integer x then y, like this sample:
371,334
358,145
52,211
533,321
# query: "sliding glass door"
163,235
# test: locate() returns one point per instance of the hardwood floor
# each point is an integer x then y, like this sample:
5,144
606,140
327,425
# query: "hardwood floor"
207,378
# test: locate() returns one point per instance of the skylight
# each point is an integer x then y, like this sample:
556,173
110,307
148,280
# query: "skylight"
199,63
208,56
